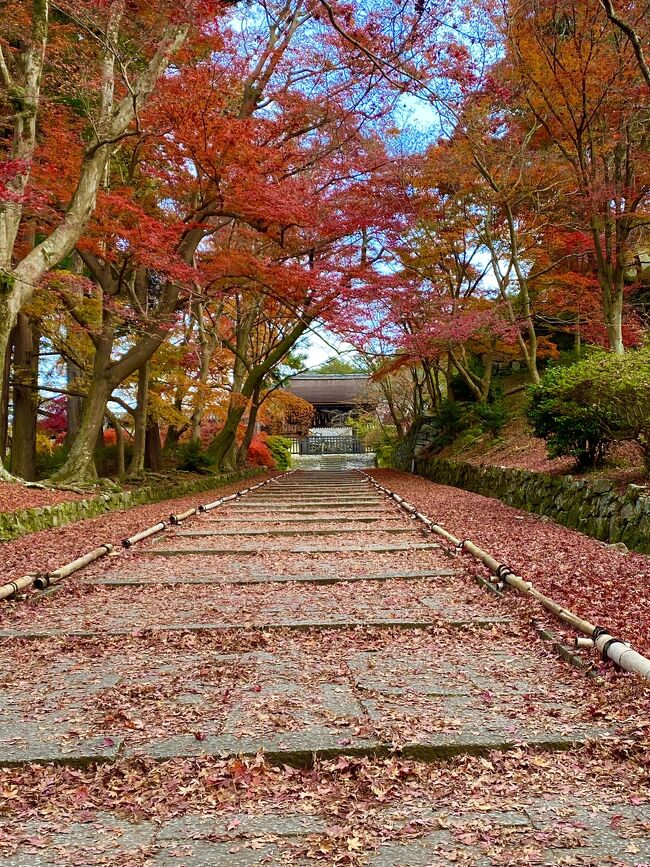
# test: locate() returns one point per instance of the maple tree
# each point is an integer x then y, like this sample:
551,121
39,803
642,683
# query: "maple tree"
188,189
106,85
573,77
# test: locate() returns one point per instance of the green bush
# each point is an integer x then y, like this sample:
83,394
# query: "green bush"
192,457
49,461
280,448
492,417
580,410
449,421
385,453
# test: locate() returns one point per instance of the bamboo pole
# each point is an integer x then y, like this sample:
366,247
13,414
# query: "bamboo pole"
619,652
144,534
7,590
207,507
43,581
176,519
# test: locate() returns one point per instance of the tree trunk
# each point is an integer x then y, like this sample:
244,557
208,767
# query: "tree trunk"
119,442
250,426
4,404
207,344
172,437
221,447
153,458
74,403
136,467
8,318
79,467
25,397
577,342
613,311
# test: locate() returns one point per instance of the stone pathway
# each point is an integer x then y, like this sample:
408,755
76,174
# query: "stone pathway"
371,642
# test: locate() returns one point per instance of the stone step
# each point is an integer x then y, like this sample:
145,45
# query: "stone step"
331,502
433,827
310,510
289,532
292,625
270,578
318,487
303,749
299,498
298,549
296,749
327,519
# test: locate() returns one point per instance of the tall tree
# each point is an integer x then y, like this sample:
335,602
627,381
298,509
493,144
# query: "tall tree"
580,82
116,77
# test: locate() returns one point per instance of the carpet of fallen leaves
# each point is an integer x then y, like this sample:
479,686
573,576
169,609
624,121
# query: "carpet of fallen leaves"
391,685
395,686
363,803
596,581
271,604
14,497
48,549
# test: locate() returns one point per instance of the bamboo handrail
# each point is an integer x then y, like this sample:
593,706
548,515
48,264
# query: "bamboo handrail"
610,647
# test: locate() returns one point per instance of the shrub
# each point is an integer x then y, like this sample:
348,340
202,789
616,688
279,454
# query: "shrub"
49,460
580,410
259,454
280,448
492,417
561,413
450,419
385,453
192,457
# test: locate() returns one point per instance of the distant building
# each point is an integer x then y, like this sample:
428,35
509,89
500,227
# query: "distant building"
334,396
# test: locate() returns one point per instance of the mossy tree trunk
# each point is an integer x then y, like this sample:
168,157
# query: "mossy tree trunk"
251,424
25,399
4,403
136,466
153,457
224,446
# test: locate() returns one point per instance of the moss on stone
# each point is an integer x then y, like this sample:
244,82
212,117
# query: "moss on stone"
24,521
593,508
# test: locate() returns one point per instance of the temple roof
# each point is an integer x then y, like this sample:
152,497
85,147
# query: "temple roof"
332,389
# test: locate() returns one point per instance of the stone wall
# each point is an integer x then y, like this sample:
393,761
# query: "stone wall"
14,524
593,507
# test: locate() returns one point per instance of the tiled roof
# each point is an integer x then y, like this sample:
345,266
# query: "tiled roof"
331,389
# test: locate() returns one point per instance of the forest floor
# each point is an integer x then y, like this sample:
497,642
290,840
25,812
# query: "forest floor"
517,447
304,677
15,496
49,549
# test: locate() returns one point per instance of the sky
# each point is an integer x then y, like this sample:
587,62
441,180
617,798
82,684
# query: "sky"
322,348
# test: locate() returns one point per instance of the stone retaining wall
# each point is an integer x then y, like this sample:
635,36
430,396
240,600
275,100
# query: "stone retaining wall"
15,524
593,507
